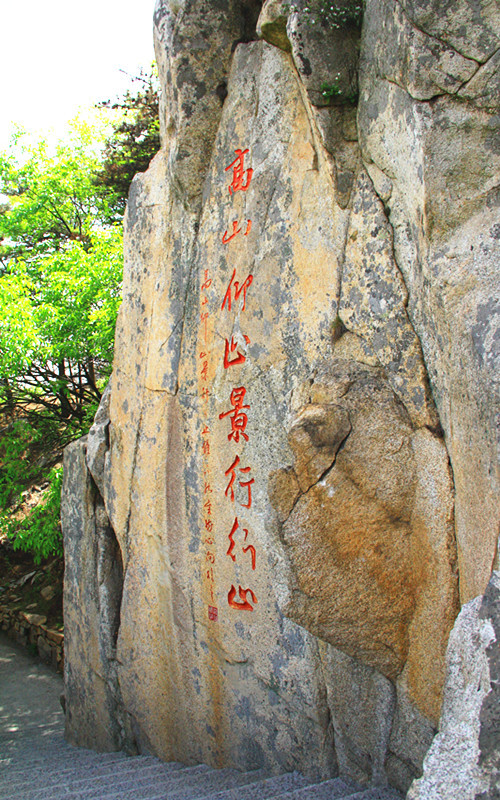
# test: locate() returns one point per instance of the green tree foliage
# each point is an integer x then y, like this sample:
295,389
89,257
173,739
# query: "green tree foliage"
52,193
38,532
60,251
16,470
60,280
61,266
57,325
136,136
25,457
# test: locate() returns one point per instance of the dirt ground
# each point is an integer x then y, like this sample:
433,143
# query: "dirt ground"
25,586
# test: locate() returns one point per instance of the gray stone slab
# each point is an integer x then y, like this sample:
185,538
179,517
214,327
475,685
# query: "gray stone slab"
376,794
270,787
61,757
326,790
79,782
150,784
88,774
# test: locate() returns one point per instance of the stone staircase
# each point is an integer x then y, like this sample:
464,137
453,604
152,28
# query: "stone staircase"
37,764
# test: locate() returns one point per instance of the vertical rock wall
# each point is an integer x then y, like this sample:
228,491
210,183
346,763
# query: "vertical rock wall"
306,312
428,121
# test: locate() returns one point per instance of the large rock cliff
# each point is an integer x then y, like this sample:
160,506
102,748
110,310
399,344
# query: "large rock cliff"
292,481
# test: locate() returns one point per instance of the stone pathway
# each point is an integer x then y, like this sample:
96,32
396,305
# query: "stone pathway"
37,764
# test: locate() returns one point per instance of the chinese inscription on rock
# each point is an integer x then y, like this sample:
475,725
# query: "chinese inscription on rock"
237,476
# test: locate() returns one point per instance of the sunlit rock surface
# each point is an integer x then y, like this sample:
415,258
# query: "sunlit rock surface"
296,459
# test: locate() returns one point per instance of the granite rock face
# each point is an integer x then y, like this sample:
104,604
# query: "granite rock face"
434,160
295,458
370,531
489,718
463,761
93,582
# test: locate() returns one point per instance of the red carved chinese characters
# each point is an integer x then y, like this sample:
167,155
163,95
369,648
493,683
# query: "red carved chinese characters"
250,549
238,183
234,287
231,347
206,283
231,540
239,419
208,540
235,415
242,604
239,481
204,368
229,488
226,237
232,544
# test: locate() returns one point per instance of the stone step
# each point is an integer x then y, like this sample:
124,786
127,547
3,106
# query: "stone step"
184,788
149,784
124,768
340,789
324,790
260,790
67,766
376,793
77,774
38,781
36,763
59,757
58,752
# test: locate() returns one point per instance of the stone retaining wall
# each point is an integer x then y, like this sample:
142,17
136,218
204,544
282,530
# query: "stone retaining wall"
31,629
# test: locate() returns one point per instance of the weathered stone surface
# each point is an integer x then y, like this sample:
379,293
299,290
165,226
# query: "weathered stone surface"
451,767
34,619
326,59
423,65
489,718
411,736
48,592
98,441
471,27
361,702
327,64
362,538
484,87
180,673
272,22
289,350
193,45
373,304
442,208
45,651
284,491
315,437
94,716
54,636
